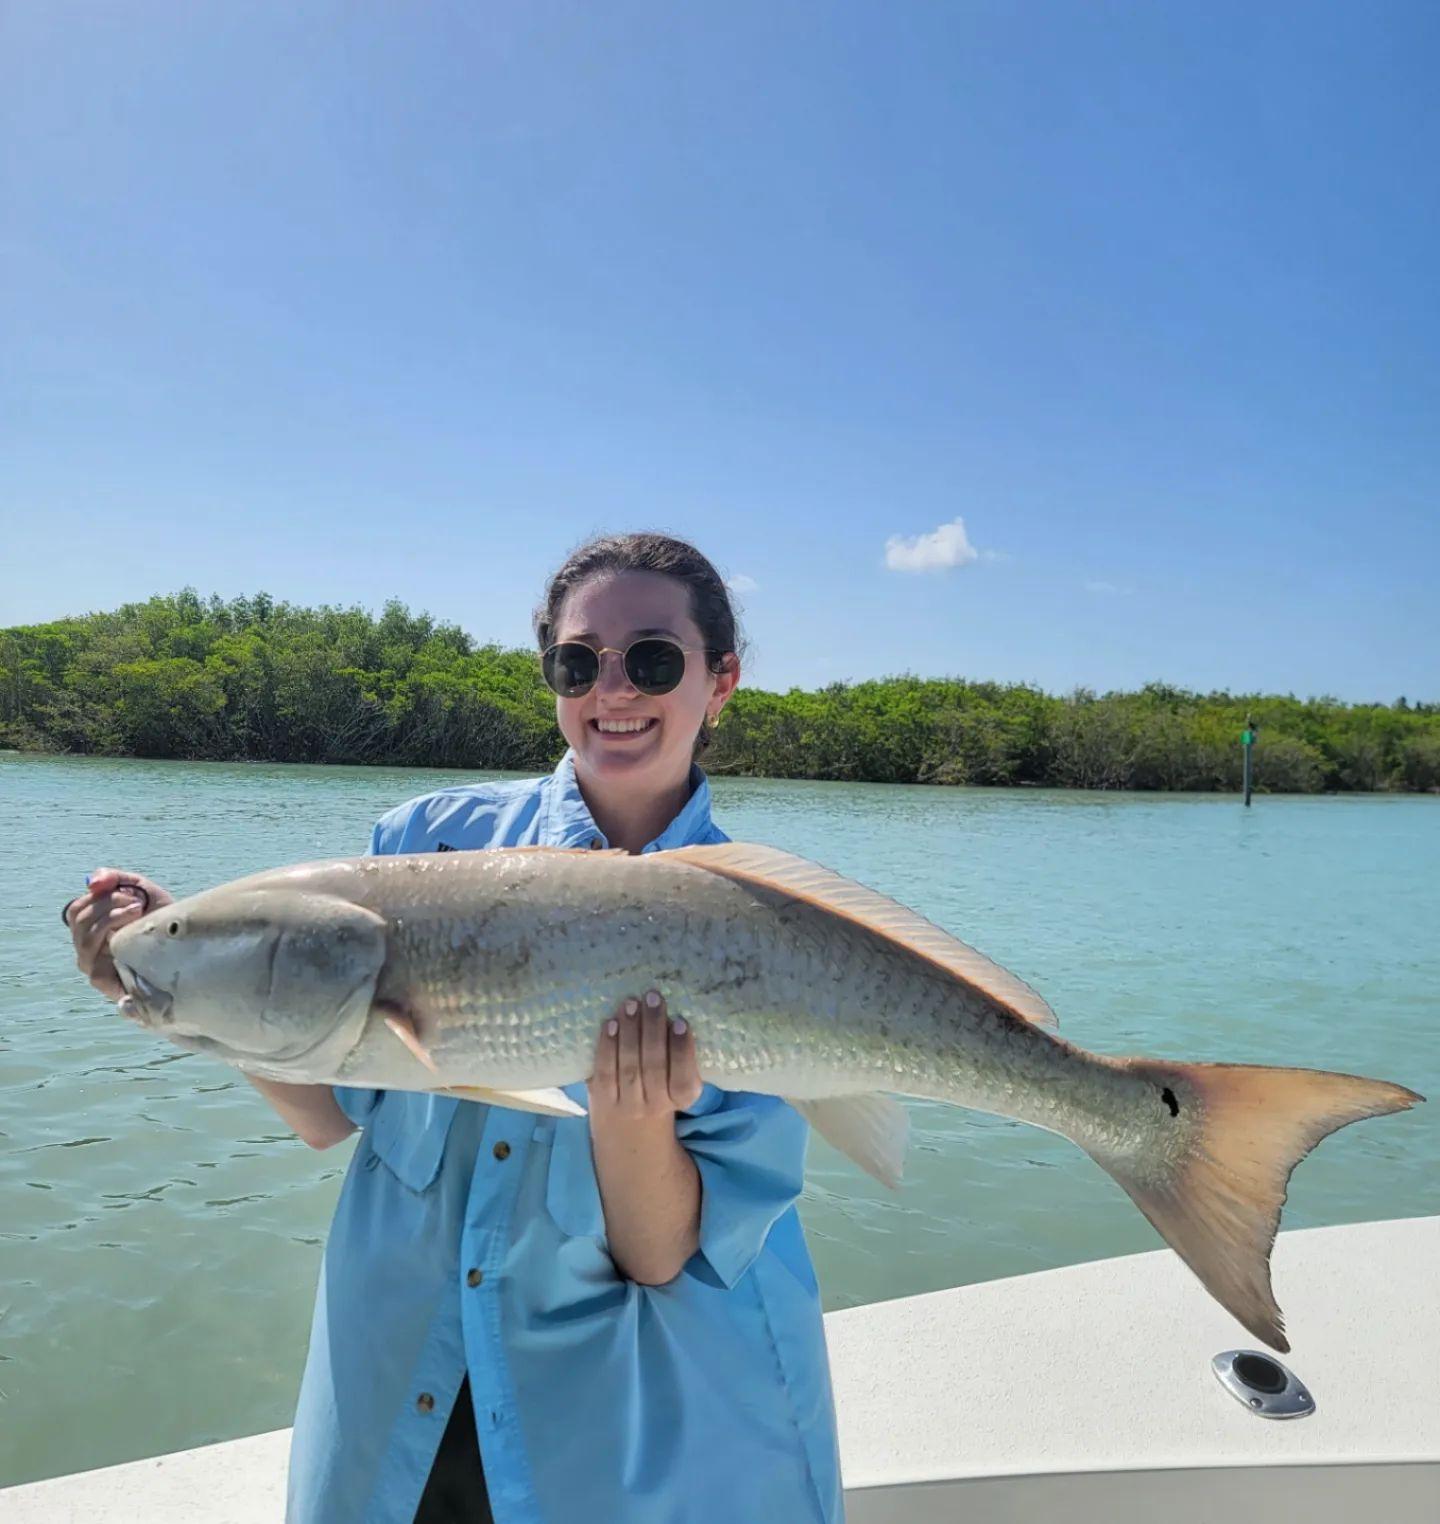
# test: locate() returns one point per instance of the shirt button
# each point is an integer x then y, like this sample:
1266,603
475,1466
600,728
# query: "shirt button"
501,1149
425,1402
474,1278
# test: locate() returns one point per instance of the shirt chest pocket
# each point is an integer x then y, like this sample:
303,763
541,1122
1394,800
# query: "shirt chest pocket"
408,1133
572,1194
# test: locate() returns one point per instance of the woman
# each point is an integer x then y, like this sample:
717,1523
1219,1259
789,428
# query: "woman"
610,1319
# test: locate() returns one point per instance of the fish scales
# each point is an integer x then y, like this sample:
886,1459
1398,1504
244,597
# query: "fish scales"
788,994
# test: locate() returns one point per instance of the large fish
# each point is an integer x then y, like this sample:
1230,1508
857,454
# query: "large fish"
489,972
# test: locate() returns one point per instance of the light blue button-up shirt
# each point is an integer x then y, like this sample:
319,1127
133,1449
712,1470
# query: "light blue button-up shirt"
470,1238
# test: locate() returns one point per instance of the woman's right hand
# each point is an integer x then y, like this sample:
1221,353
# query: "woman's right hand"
108,904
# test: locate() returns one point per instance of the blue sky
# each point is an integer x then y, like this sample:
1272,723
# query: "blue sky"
351,300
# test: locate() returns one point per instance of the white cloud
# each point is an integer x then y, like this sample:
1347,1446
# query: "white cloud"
743,584
1107,590
943,548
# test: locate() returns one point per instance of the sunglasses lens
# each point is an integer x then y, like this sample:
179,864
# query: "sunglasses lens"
570,669
655,666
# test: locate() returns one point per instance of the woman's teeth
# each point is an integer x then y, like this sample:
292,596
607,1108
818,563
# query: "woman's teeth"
621,727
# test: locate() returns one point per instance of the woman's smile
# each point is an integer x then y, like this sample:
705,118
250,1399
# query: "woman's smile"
619,727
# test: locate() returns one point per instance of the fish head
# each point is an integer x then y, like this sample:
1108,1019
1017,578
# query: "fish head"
279,980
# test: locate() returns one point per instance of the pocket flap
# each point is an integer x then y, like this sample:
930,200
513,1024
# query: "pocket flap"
408,1132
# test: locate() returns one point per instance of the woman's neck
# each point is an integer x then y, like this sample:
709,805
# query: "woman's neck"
631,821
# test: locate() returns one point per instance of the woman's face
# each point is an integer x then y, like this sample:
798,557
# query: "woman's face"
612,610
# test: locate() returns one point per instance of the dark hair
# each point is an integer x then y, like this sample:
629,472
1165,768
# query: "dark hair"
710,605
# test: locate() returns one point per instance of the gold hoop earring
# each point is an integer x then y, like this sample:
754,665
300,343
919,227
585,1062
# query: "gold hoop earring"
712,721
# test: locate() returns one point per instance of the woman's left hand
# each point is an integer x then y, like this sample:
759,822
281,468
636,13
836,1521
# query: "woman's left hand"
649,1186
644,1064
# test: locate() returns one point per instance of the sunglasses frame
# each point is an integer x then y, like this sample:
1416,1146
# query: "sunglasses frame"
599,655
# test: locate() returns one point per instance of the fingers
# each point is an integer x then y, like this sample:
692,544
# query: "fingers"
655,1052
645,1063
110,881
104,880
604,1083
90,932
630,1086
109,904
89,927
93,922
685,1081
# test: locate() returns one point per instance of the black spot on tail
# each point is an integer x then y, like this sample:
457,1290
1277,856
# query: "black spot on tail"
1168,1096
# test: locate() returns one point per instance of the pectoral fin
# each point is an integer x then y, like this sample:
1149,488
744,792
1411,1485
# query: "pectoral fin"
402,1024
870,1129
547,1103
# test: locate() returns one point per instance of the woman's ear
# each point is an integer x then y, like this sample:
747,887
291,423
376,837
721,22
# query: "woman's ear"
727,679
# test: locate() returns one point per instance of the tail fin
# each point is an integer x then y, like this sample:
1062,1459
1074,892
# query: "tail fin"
1216,1200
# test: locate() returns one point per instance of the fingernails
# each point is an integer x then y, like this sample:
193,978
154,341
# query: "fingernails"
612,1027
678,1026
653,1000
632,1007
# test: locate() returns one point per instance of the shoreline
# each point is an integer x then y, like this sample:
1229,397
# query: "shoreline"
723,775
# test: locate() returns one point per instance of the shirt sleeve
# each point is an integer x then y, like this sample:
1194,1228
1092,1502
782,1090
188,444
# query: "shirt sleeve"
750,1151
357,1104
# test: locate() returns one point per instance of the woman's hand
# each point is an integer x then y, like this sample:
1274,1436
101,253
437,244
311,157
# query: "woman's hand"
644,1064
645,1072
109,903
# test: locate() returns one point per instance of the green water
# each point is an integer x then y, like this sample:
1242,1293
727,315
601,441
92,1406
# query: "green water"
161,1232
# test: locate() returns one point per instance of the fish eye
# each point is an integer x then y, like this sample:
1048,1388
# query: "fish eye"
173,929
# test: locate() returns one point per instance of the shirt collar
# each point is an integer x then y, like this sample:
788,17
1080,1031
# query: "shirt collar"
567,820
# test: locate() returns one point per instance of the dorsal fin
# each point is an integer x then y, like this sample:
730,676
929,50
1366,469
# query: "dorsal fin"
800,879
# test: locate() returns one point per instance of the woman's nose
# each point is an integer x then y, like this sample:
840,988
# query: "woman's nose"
612,677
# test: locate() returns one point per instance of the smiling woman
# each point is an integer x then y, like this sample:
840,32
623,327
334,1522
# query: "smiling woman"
559,1318
659,611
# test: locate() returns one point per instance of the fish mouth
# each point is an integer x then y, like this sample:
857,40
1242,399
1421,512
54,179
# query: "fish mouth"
143,1001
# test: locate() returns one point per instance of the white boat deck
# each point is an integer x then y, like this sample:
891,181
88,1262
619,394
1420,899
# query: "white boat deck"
1107,1365
1085,1392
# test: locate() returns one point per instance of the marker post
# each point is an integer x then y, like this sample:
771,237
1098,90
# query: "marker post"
1247,740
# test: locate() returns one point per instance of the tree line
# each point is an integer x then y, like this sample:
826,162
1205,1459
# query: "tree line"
256,679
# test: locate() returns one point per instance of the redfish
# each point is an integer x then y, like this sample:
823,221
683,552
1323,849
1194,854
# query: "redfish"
488,973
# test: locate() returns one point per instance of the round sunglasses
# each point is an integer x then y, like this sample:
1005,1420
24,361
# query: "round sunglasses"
653,666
